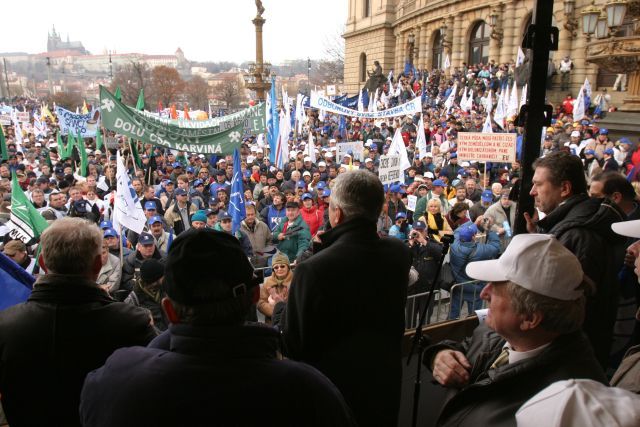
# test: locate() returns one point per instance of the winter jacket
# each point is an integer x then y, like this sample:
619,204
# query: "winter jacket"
499,216
210,375
583,226
67,328
313,217
332,319
297,239
259,235
110,273
173,218
462,253
493,396
421,205
273,216
133,262
282,289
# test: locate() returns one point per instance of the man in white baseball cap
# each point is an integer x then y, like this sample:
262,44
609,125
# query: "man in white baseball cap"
531,337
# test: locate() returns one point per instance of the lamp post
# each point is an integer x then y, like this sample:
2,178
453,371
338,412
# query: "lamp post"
49,76
308,75
496,31
258,77
110,68
571,23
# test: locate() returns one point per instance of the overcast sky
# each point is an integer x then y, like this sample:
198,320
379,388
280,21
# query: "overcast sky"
212,30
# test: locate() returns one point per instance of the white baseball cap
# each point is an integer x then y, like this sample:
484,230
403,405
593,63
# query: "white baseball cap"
429,175
537,262
307,159
627,228
580,403
321,164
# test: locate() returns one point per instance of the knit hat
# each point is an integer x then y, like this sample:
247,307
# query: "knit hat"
151,270
280,258
199,216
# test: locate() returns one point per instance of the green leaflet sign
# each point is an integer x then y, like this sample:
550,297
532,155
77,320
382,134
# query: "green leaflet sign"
253,119
119,118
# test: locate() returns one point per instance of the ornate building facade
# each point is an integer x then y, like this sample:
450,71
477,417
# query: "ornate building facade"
467,31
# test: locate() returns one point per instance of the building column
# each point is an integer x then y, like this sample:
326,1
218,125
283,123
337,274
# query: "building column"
396,60
422,47
510,39
428,48
417,32
580,67
458,42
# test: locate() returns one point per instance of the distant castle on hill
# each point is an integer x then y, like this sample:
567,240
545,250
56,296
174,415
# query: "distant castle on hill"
55,43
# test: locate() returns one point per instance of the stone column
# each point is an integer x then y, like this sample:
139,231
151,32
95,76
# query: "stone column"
457,58
580,68
398,52
510,38
422,47
427,57
417,32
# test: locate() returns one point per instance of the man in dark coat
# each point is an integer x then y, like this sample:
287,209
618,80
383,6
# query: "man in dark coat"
68,327
145,249
210,368
583,226
344,317
531,339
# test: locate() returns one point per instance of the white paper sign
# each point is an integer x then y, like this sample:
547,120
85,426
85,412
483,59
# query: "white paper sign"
354,148
411,202
390,169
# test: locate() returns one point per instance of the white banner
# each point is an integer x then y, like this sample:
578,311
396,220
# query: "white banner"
390,169
487,147
322,103
127,211
354,148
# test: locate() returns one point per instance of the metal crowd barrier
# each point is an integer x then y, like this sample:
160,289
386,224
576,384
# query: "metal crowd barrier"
440,309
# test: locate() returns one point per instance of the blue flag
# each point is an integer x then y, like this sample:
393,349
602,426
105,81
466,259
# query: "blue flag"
342,127
407,68
273,128
15,283
365,98
236,203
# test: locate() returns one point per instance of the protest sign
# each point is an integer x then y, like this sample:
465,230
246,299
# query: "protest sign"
411,202
5,119
390,169
83,124
487,147
119,118
111,142
354,148
23,116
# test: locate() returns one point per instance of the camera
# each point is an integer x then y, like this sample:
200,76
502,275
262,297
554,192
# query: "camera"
414,234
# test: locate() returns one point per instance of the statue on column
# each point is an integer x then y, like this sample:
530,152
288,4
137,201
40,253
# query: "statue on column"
376,78
260,8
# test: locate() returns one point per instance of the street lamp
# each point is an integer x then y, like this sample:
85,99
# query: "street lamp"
616,10
309,73
601,26
590,17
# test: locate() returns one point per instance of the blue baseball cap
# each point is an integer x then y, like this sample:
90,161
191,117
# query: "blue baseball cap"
591,152
327,192
106,224
306,196
150,206
190,169
373,147
604,131
154,219
110,232
198,183
146,239
223,215
625,140
419,225
401,215
301,184
466,231
609,151
213,201
439,183
181,192
81,206
453,155
321,185
177,165
487,196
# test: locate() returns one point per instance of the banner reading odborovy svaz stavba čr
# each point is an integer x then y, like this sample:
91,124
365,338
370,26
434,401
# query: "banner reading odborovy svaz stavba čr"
83,124
322,103
119,118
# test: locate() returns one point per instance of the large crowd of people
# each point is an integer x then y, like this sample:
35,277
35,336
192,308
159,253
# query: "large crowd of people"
337,250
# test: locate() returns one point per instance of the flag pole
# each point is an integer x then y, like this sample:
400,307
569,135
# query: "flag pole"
121,250
135,168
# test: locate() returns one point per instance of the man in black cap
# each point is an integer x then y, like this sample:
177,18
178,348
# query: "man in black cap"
145,249
210,367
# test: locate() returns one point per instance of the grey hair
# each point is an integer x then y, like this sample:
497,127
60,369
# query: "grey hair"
558,316
358,193
70,245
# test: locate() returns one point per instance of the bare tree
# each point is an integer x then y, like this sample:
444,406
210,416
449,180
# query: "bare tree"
197,92
67,99
229,93
330,68
131,78
166,84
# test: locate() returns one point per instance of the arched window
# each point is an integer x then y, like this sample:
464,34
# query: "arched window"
363,67
436,59
479,44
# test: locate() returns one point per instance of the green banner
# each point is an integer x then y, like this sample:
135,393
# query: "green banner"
121,119
253,119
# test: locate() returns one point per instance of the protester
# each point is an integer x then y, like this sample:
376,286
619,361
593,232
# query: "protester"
147,292
68,327
343,334
212,357
276,286
111,271
583,225
532,337
292,236
145,249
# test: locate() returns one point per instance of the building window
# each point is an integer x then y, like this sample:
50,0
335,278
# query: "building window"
436,59
367,8
363,67
479,44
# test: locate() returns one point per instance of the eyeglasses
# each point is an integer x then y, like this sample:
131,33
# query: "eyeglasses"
279,266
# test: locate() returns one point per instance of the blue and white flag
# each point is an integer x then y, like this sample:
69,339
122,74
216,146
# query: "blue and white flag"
127,211
15,283
236,202
272,120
